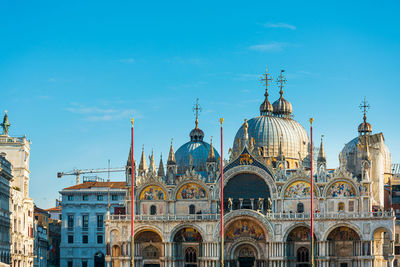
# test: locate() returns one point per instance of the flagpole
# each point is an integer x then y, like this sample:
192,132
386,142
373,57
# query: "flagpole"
312,195
222,194
132,201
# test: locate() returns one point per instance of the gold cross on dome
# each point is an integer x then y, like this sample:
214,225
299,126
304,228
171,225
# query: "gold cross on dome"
196,110
281,81
364,106
265,78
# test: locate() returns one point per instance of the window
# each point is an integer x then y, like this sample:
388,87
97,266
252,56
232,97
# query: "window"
300,207
85,239
99,221
99,197
70,197
192,209
341,206
99,239
84,264
70,222
190,255
150,252
85,197
114,197
153,210
351,206
85,222
70,264
70,239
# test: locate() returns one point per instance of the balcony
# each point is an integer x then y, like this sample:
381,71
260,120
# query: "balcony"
269,216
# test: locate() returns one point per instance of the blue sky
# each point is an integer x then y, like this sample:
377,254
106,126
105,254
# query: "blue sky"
72,73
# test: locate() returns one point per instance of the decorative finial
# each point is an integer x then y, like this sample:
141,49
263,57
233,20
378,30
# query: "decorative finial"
6,124
281,82
221,120
196,110
311,120
364,106
132,121
265,78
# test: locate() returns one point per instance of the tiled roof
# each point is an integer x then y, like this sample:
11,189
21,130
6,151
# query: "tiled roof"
54,209
88,185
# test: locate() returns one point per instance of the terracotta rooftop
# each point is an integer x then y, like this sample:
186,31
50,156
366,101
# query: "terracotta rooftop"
54,209
88,185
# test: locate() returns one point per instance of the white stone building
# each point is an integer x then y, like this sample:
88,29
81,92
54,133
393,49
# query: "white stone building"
84,208
267,188
5,242
17,151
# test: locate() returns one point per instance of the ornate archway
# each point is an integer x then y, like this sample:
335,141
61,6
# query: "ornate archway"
187,246
344,245
298,246
150,247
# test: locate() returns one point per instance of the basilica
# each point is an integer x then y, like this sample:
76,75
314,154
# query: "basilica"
267,196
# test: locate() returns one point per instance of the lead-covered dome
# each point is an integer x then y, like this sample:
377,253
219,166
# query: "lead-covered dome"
194,153
267,132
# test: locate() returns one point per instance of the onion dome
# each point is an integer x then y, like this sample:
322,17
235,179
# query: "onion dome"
364,128
196,134
266,107
282,107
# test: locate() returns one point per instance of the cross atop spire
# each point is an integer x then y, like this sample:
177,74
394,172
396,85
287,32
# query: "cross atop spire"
281,82
196,110
364,106
265,78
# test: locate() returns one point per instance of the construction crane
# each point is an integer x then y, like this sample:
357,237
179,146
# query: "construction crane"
78,173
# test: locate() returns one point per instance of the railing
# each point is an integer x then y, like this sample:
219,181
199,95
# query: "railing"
167,217
270,216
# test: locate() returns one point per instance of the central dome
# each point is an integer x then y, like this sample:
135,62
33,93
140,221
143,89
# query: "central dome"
268,130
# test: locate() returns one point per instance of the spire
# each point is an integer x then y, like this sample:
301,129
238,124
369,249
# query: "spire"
364,127
152,167
281,82
321,154
161,172
142,164
211,154
196,134
266,107
280,150
197,109
171,156
6,124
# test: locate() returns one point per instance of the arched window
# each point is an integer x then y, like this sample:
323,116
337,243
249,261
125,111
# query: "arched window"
192,209
190,255
303,255
341,206
153,210
300,207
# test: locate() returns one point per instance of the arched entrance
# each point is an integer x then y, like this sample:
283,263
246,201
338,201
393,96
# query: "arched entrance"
187,247
246,241
246,255
298,246
246,191
99,259
344,246
150,247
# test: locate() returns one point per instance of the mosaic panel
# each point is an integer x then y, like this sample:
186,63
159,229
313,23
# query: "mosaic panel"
244,228
341,189
152,192
191,191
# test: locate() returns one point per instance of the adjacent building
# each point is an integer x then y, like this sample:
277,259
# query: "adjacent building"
5,241
17,151
267,189
84,209
41,236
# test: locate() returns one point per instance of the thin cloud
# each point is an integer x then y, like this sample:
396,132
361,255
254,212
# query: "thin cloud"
127,60
96,114
269,47
280,25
